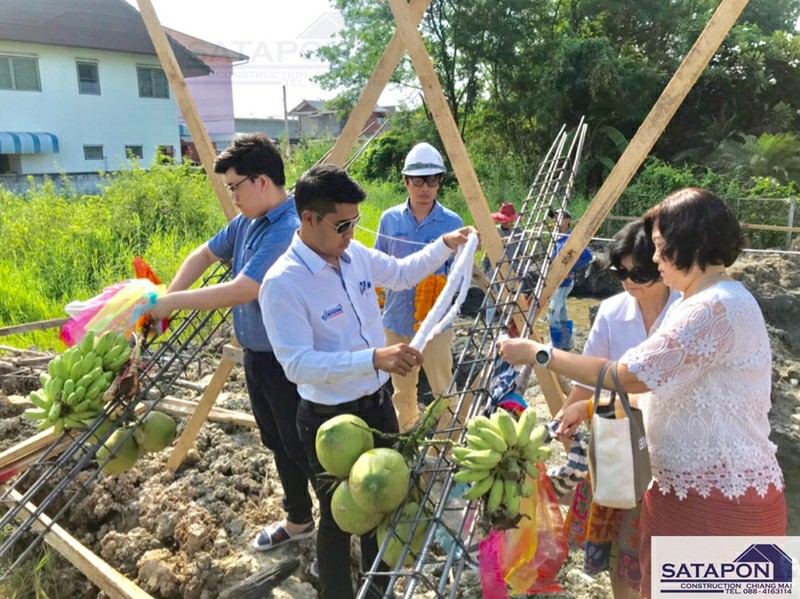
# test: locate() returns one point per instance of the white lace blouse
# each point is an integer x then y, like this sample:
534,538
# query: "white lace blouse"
708,368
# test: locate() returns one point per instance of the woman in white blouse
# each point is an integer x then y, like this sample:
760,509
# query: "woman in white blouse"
706,373
622,322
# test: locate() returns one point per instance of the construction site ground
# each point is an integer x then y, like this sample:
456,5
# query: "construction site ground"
187,534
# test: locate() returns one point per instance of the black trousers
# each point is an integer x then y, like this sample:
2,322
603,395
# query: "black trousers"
333,545
274,400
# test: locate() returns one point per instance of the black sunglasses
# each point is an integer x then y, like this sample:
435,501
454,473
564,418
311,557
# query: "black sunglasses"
431,180
344,226
637,276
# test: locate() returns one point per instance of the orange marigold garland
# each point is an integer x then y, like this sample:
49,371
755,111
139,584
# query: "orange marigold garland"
427,291
381,296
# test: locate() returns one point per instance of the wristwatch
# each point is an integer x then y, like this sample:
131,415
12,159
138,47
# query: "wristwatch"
543,355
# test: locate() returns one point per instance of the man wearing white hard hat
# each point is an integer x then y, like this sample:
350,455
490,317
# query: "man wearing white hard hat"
405,229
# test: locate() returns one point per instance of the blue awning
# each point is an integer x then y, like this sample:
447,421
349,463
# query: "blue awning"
13,142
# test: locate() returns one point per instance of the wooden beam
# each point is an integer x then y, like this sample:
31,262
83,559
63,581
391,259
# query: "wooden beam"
372,91
186,104
40,325
643,141
27,447
462,165
190,432
747,226
110,581
20,465
182,407
451,138
234,353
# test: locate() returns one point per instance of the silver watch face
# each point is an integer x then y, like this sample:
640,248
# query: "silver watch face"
542,357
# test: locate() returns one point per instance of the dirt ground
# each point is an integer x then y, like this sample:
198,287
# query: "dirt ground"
188,534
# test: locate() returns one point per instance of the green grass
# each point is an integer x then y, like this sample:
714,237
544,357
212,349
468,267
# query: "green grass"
36,578
60,246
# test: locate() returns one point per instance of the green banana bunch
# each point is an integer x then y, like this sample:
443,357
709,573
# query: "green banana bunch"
72,388
500,461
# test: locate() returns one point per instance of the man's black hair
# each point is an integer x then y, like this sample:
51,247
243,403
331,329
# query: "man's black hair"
252,155
321,187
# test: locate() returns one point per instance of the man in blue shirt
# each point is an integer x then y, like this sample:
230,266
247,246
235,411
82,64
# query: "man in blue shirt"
253,241
405,229
557,316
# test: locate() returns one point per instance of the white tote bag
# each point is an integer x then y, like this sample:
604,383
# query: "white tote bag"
619,461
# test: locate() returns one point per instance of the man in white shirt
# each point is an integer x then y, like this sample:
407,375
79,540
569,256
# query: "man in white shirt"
321,312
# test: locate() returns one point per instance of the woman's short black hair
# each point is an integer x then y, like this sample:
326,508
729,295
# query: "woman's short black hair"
697,227
321,187
632,240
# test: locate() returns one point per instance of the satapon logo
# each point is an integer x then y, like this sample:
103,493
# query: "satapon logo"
761,569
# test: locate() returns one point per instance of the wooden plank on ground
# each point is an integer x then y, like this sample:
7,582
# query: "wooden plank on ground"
375,85
200,415
21,464
182,407
28,327
27,447
643,141
108,579
186,104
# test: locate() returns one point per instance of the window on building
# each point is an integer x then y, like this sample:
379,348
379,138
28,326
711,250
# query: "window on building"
19,73
93,152
10,164
152,82
134,152
88,78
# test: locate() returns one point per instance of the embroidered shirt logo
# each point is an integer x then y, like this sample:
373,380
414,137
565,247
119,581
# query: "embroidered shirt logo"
332,312
363,286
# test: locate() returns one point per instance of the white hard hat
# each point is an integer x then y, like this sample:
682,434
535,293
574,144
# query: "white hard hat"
423,159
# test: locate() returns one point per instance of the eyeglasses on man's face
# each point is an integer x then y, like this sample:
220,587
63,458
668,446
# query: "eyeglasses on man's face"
344,226
430,180
235,186
636,276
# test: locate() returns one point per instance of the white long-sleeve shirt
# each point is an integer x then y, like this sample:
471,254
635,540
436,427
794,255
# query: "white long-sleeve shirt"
325,324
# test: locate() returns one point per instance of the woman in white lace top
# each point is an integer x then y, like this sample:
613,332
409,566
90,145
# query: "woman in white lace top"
706,378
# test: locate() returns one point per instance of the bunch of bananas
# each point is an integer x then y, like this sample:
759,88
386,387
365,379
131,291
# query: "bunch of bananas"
500,460
73,386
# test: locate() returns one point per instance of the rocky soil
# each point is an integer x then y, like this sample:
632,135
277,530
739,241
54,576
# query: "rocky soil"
188,534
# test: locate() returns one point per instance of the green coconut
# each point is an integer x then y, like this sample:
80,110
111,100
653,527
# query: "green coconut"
156,432
348,516
126,451
379,480
401,534
341,441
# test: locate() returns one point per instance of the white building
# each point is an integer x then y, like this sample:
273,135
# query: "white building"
81,87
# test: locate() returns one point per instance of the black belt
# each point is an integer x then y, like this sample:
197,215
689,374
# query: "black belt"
349,407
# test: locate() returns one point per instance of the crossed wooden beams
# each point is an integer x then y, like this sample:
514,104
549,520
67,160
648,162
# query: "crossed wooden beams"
407,37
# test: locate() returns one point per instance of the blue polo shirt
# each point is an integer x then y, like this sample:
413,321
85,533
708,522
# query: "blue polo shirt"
253,245
400,235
